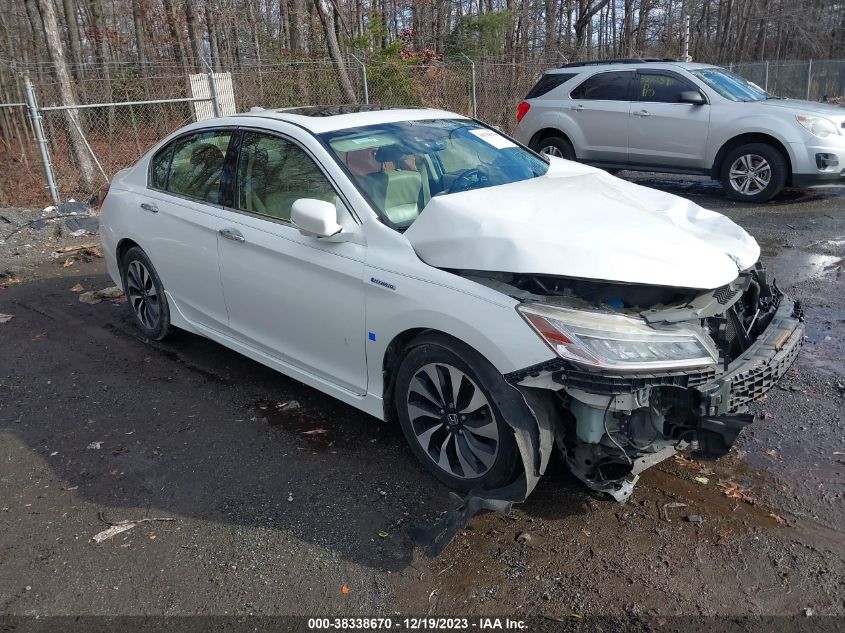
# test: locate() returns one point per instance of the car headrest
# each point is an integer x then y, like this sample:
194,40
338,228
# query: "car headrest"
390,154
207,155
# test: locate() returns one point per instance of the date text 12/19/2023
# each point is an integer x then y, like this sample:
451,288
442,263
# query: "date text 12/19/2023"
417,624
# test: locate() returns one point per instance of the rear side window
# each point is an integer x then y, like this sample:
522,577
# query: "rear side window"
659,87
197,165
160,167
547,83
610,86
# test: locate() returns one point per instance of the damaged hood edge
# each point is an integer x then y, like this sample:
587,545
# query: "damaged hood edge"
578,221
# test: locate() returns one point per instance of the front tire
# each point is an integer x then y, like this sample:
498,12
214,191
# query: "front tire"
556,146
755,172
452,423
145,294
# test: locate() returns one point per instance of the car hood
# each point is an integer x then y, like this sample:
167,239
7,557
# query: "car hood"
578,221
806,107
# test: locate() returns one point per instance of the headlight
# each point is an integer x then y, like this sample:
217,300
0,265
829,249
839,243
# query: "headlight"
610,341
817,126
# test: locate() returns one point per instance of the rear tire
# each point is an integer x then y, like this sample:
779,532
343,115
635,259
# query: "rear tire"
462,439
556,146
145,294
755,172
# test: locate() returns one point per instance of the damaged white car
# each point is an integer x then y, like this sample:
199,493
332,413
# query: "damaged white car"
423,267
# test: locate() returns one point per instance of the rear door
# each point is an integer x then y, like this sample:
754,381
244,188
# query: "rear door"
601,109
178,220
665,132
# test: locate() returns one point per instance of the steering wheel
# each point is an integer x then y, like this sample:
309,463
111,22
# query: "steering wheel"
463,182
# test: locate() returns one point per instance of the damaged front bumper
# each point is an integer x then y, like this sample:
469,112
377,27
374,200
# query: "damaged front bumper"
611,426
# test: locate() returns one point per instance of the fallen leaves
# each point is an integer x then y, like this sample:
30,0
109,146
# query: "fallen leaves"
93,297
345,589
734,490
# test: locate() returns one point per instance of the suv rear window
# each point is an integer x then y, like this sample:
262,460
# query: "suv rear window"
608,86
547,83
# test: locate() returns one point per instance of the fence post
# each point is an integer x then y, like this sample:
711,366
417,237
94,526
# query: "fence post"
215,100
364,78
472,85
35,118
809,76
766,82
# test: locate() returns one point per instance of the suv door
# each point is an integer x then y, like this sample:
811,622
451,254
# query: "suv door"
297,298
179,216
600,109
664,131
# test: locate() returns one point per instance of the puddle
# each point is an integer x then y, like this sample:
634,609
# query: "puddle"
313,434
825,344
790,266
727,502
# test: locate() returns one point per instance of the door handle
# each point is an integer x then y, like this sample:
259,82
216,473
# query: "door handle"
578,108
232,234
642,113
149,206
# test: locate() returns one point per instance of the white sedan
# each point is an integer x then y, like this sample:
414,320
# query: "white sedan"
423,267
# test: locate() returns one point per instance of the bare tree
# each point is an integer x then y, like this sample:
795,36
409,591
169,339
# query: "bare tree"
55,48
326,13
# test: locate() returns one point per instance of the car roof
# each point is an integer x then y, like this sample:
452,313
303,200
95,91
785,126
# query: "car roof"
328,118
628,64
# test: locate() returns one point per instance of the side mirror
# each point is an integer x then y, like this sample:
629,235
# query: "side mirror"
315,217
692,96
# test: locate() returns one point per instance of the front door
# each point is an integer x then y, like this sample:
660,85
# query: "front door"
665,131
292,296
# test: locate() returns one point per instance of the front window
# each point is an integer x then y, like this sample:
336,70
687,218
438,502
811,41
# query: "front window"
401,166
730,86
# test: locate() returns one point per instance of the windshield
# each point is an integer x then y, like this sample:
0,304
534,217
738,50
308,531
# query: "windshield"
401,166
731,86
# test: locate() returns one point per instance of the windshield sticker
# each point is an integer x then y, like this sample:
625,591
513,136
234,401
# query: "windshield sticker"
492,138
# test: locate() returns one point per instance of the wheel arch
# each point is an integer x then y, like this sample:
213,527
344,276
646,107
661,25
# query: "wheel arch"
122,247
548,132
744,139
402,344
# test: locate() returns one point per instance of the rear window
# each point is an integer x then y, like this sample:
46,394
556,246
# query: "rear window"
547,83
605,86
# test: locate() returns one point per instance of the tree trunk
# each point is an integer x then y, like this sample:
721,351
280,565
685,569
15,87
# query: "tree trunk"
140,34
326,13
298,20
194,36
55,48
73,35
175,35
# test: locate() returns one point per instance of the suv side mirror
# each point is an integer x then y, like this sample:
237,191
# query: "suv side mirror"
692,96
315,217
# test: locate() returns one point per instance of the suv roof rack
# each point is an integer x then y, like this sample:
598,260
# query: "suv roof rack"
624,60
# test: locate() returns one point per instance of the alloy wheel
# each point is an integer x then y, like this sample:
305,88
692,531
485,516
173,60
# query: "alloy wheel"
453,421
143,296
551,150
750,174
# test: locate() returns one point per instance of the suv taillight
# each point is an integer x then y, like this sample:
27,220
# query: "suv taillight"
521,110
104,192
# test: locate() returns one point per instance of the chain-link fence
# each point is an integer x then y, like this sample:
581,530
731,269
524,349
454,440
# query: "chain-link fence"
816,80
124,109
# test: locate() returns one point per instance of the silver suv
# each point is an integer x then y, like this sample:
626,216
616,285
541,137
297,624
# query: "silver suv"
661,115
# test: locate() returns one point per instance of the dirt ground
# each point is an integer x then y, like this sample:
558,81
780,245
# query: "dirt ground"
274,509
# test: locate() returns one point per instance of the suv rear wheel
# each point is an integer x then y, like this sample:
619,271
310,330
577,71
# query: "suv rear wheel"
555,146
753,173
